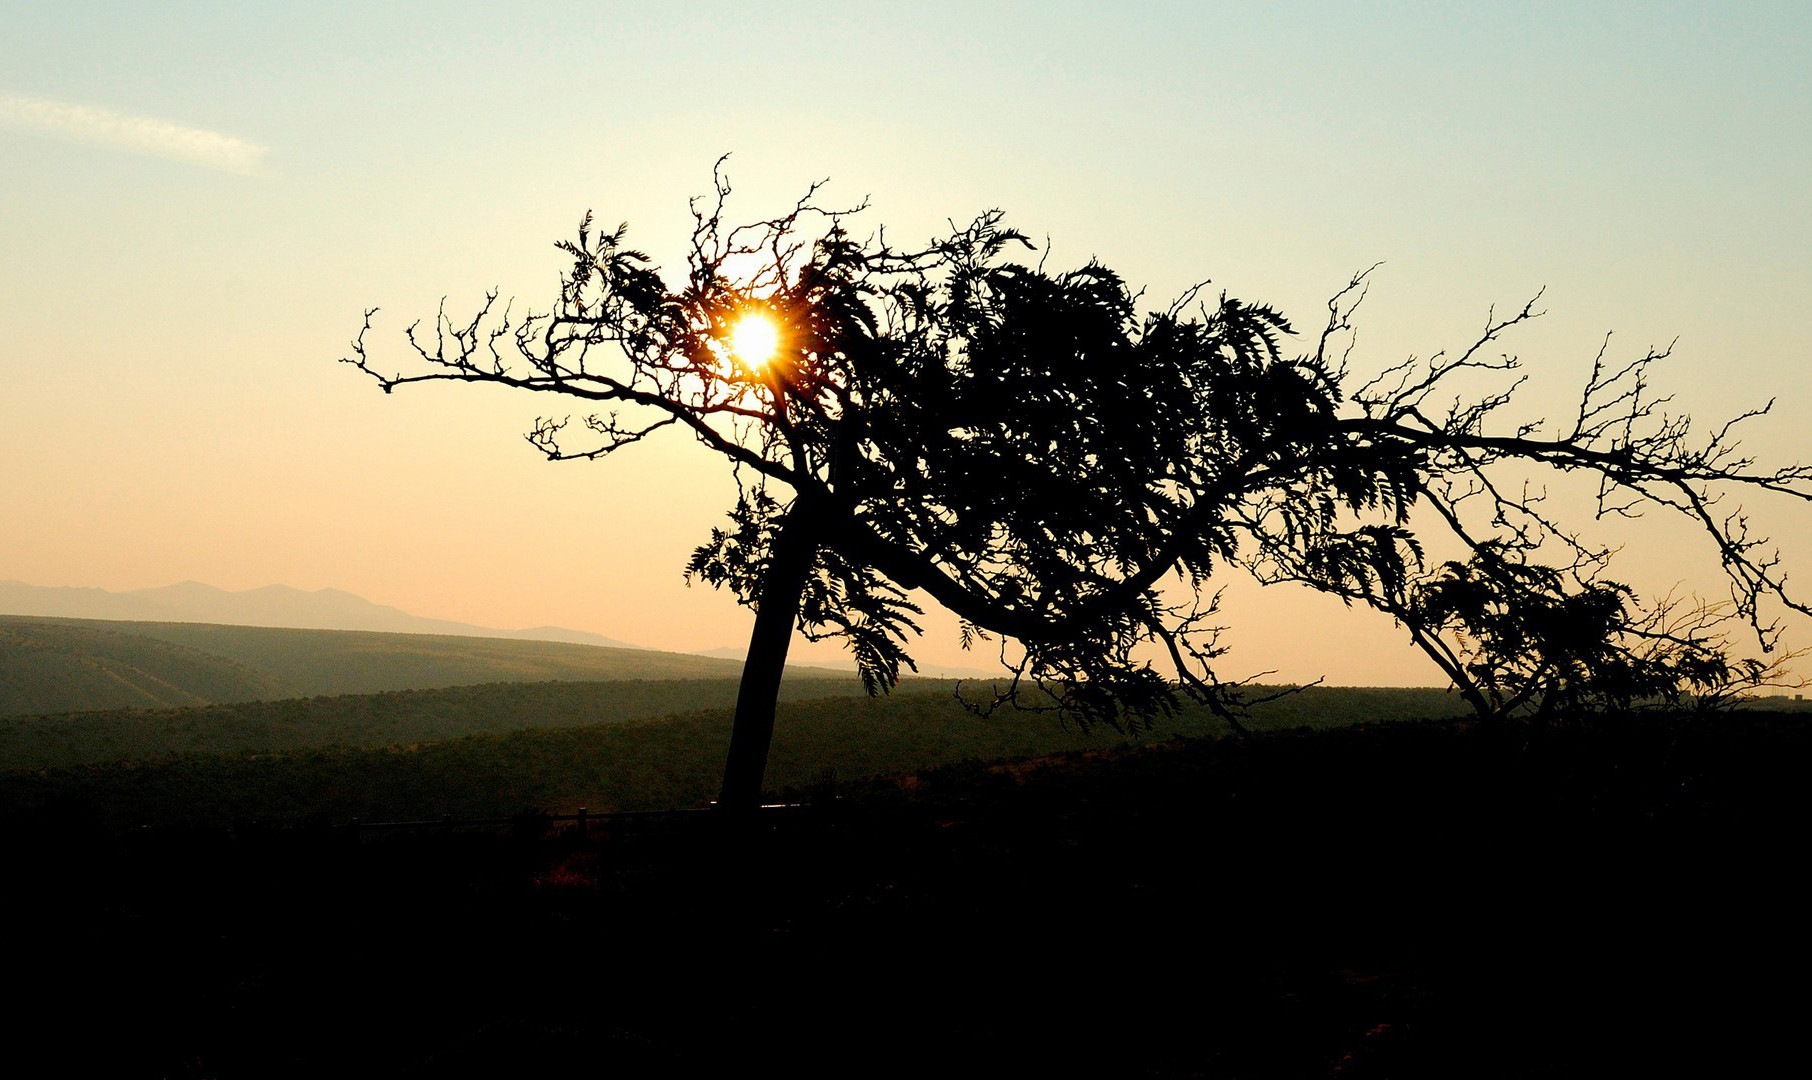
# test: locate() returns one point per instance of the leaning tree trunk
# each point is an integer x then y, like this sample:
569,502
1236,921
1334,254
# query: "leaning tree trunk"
778,607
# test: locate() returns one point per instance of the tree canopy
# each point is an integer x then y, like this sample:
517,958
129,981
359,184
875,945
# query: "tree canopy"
1067,473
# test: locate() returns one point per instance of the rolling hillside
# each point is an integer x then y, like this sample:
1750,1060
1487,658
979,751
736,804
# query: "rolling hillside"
63,667
488,750
391,718
75,665
634,764
271,605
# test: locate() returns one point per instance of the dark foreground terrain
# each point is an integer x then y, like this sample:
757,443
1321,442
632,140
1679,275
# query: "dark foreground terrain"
1397,900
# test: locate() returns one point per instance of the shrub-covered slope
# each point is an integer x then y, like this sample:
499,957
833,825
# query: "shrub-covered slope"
605,746
392,718
77,665
67,667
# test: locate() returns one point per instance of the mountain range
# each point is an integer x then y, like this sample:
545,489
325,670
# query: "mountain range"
335,609
272,605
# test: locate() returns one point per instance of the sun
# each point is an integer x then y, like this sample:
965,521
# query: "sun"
755,339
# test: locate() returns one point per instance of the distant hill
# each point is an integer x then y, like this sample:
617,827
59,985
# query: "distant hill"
682,727
393,719
74,665
272,605
50,667
492,750
334,609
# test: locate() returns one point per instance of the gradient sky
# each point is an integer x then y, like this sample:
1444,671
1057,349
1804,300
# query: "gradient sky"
197,201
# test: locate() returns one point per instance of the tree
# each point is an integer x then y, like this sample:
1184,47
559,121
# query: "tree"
1515,634
1519,637
1065,473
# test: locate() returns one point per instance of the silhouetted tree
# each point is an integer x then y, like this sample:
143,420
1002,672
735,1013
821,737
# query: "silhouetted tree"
1519,637
1526,621
1065,473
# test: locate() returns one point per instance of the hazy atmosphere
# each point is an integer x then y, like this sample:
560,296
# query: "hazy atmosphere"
357,715
198,202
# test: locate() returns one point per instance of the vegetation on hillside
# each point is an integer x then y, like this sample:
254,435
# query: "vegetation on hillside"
73,665
392,718
333,760
48,667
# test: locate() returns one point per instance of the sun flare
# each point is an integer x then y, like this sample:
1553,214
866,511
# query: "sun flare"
755,339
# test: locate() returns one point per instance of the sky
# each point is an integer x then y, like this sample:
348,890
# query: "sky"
199,201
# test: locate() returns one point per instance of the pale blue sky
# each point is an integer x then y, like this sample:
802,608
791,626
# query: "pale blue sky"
172,406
